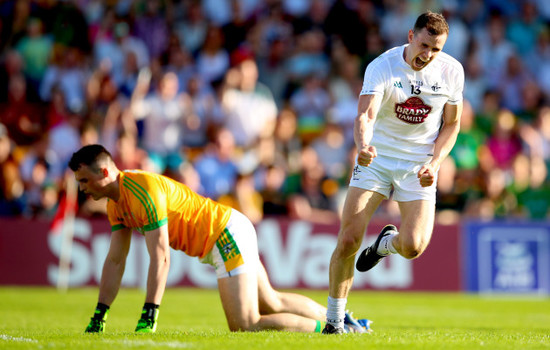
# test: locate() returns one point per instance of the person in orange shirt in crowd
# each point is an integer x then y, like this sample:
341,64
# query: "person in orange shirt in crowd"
169,214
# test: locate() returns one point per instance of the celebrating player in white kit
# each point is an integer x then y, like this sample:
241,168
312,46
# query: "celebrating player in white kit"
408,120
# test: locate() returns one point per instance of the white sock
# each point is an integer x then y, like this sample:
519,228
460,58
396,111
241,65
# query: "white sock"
386,245
336,311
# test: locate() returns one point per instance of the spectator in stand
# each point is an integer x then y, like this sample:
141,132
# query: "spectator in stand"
274,201
288,145
504,143
309,58
11,184
180,62
524,30
343,111
216,167
112,52
536,135
496,200
342,85
14,24
192,30
212,60
487,114
23,118
245,198
272,70
152,28
108,110
469,147
459,37
332,147
127,154
475,80
11,66
538,62
310,102
69,74
250,107
201,102
163,115
34,186
63,138
494,49
533,197
396,22
311,195
514,80
238,27
35,49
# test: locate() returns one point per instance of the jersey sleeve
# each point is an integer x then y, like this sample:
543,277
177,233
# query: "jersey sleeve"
457,90
148,202
373,81
114,219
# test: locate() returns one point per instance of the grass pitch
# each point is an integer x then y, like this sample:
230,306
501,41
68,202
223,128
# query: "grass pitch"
42,318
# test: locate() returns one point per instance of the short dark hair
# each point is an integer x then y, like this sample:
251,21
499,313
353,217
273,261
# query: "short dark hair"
87,155
435,23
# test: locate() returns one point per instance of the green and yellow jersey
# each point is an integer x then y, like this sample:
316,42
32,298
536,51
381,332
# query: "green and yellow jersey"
148,201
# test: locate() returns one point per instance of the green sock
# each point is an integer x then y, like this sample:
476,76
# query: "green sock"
319,327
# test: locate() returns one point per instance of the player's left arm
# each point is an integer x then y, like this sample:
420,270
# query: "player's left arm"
443,144
157,242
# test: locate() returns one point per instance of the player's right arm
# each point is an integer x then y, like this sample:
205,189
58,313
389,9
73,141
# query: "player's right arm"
367,109
113,267
111,277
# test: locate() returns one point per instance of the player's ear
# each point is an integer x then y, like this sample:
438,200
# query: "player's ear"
105,172
411,35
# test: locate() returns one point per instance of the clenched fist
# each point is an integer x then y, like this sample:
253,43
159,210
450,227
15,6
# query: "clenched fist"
426,174
366,155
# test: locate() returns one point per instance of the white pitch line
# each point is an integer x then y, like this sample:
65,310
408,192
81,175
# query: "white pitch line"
21,339
164,344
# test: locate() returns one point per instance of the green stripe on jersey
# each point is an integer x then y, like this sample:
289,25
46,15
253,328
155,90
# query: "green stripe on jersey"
144,198
148,198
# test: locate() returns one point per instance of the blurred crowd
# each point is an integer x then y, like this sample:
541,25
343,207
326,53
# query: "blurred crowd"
252,102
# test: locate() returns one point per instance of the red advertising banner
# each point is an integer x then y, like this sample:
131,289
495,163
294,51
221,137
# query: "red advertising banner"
296,254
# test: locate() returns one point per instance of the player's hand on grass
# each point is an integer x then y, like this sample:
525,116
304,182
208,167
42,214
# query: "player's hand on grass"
148,321
97,322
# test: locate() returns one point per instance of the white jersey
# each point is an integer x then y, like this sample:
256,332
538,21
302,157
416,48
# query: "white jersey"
410,114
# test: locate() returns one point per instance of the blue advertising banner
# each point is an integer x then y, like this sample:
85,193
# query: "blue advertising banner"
507,257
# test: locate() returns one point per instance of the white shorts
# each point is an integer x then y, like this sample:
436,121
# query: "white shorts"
385,174
236,251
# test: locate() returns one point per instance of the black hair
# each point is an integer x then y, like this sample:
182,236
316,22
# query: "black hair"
87,155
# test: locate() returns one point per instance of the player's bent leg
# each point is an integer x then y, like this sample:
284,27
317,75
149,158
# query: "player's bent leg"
415,231
272,301
239,296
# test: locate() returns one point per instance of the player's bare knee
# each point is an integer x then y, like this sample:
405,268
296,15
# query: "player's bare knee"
349,242
271,305
412,251
243,326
